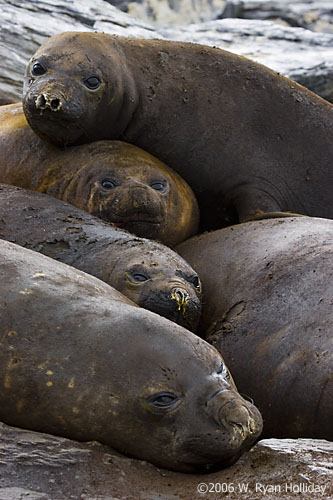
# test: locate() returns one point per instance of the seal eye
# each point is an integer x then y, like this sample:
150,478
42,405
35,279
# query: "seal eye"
158,185
223,370
38,69
139,277
92,83
108,184
196,282
163,399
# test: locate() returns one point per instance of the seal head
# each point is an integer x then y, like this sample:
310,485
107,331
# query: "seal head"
123,184
78,100
192,411
157,279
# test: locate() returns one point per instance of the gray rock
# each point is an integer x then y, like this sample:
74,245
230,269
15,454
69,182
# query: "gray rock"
36,466
316,15
300,54
161,12
21,494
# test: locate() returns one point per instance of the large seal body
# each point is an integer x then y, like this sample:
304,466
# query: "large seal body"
149,273
268,295
78,359
113,180
245,138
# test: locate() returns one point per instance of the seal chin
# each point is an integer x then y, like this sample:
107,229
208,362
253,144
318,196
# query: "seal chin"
208,468
150,229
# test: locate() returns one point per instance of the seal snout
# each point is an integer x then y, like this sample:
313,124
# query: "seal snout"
230,411
43,101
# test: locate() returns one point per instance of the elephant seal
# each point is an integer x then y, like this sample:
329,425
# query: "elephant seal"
149,273
268,295
81,361
247,140
118,182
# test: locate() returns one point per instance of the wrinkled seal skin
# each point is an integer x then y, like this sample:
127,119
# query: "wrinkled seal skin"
246,139
112,180
81,361
149,273
268,298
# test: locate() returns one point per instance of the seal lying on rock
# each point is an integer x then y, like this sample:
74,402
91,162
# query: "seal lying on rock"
77,359
115,181
150,274
268,298
246,139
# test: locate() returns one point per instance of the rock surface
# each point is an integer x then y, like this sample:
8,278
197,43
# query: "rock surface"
35,466
316,15
304,56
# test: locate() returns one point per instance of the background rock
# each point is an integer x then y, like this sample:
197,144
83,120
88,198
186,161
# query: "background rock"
316,15
36,466
304,56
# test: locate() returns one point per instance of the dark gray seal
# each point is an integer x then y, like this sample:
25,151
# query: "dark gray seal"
268,306
80,360
149,273
247,140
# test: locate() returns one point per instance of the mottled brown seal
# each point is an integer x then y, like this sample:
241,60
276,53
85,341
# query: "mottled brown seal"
115,181
149,273
268,297
245,138
81,361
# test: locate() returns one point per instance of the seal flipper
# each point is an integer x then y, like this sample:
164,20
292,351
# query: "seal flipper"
253,203
260,215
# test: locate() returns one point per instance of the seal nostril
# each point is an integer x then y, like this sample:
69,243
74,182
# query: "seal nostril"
40,101
55,104
181,297
238,425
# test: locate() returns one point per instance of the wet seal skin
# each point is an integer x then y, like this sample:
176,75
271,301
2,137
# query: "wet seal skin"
81,361
112,180
149,273
247,140
268,308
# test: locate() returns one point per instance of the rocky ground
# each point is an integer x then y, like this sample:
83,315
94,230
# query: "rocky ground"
37,466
